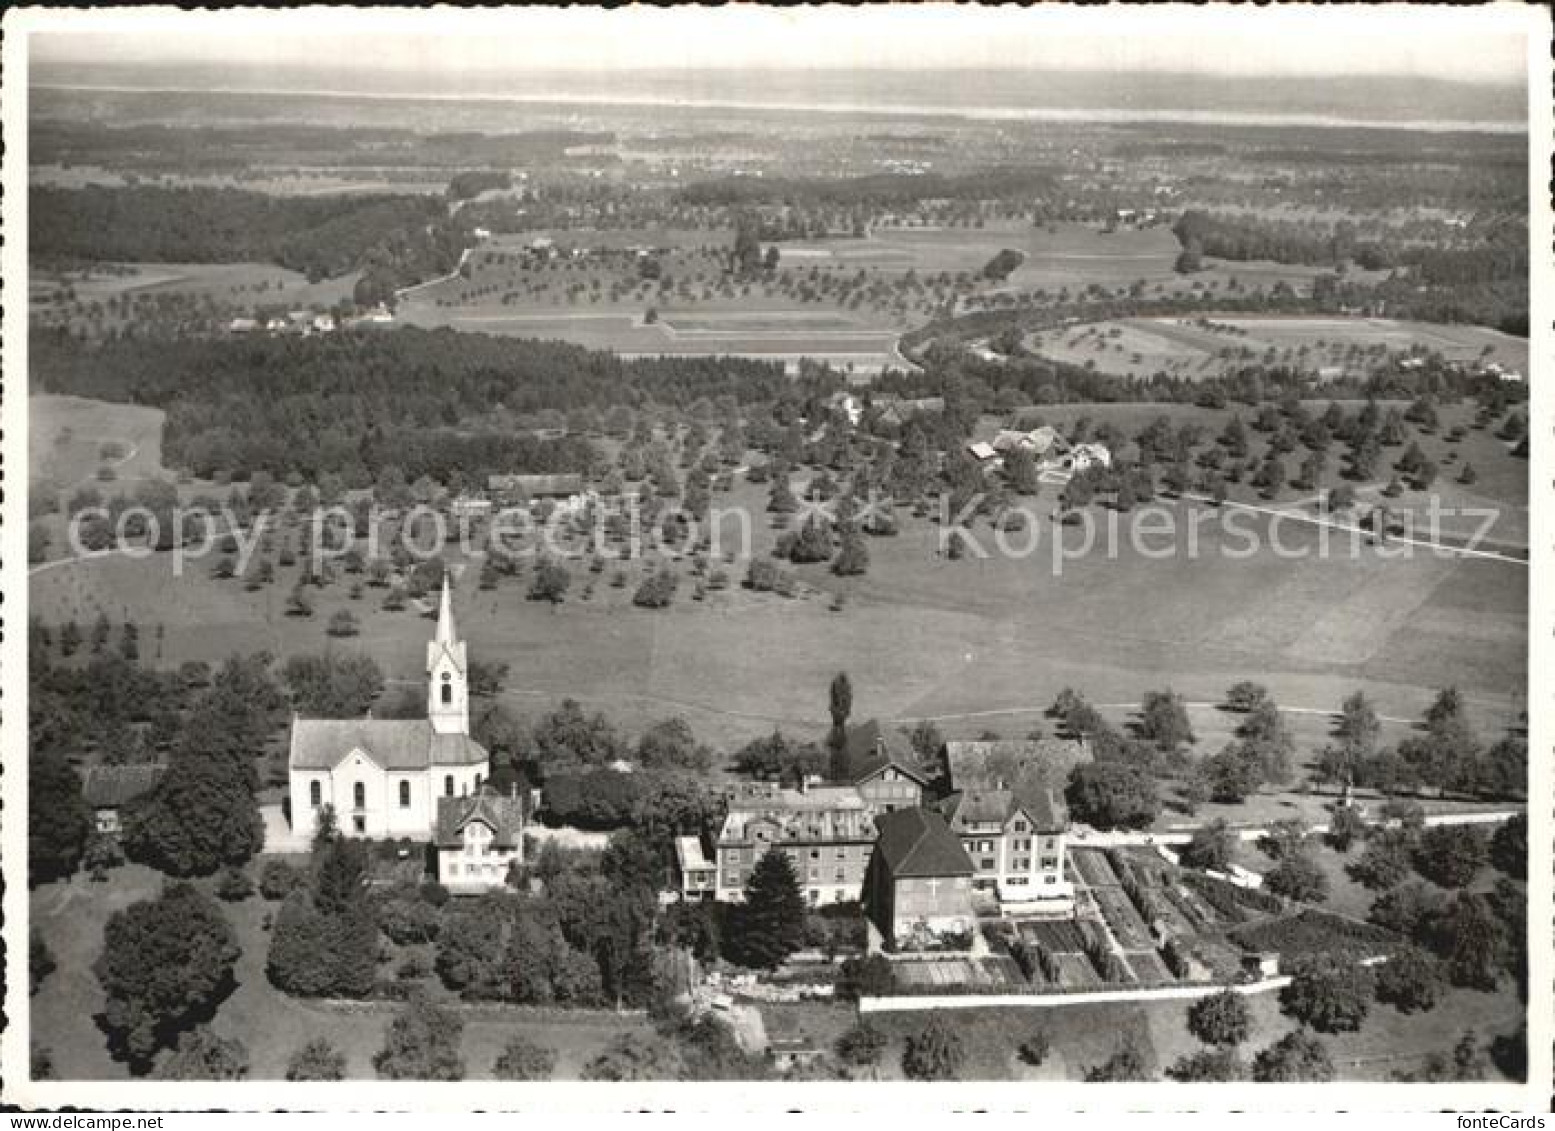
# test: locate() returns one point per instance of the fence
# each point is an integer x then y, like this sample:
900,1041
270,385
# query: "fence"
1050,998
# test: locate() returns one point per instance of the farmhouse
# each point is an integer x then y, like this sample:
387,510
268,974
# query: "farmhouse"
1082,457
522,488
108,789
981,451
382,777
847,404
918,889
1038,441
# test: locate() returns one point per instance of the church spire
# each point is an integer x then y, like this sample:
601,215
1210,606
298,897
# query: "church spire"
448,705
445,616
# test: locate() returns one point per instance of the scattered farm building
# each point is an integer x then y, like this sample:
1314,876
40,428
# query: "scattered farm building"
108,789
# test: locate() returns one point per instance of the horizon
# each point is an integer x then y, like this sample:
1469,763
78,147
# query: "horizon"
1482,47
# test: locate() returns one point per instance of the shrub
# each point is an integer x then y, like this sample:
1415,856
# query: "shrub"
1035,1048
934,1052
1329,996
1220,1020
1410,981
861,1045
278,879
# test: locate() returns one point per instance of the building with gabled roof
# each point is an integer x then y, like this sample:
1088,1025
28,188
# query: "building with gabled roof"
383,777
1004,804
881,766
108,789
918,889
478,838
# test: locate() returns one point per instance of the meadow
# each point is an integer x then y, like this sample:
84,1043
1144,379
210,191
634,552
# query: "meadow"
977,644
1182,346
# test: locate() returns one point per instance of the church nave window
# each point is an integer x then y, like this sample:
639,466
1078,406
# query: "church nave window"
404,795
359,795
448,785
315,794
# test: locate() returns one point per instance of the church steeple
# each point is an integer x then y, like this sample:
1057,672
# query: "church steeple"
445,617
448,700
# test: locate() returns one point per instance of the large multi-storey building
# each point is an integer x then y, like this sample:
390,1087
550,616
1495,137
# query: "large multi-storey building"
826,831
1004,808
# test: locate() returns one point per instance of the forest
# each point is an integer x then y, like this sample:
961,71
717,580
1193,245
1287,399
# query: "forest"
394,240
427,401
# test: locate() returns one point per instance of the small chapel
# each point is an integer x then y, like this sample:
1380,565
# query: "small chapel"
392,778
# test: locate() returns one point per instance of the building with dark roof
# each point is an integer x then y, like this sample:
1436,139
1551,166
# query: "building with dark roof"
881,767
918,889
1005,806
108,789
478,839
384,777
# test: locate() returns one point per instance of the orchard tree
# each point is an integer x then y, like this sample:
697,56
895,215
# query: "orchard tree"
1221,1019
1329,995
1211,847
1297,1057
861,1046
1451,856
522,1059
1113,795
422,1044
1300,877
1509,847
317,1060
1163,719
202,1055
1410,980
1209,1066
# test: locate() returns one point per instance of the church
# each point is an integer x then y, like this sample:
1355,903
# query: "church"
388,778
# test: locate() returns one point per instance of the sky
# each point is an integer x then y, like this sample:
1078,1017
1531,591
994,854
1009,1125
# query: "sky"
1466,44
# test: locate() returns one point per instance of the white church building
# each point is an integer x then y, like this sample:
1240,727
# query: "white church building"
388,778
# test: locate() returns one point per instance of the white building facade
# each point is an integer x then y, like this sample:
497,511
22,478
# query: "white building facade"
384,777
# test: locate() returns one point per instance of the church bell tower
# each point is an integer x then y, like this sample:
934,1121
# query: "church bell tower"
448,692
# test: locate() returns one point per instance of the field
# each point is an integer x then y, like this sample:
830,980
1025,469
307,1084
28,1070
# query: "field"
1192,347
117,294
66,437
271,1024
839,299
1082,1037
975,645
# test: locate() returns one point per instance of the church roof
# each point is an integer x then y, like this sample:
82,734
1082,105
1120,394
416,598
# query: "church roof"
394,744
503,815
